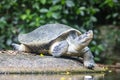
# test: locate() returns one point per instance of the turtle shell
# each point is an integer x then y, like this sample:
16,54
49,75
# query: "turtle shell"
45,34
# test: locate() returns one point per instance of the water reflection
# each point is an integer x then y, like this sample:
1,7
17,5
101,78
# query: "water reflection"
88,77
52,77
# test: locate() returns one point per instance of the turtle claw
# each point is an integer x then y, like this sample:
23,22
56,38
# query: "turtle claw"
89,65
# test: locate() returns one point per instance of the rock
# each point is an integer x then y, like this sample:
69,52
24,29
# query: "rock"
12,62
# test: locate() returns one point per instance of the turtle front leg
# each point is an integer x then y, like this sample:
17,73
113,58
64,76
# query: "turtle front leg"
88,58
58,48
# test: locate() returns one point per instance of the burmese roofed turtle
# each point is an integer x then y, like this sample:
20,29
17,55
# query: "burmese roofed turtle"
58,40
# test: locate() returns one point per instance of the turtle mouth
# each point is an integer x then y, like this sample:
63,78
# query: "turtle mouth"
89,39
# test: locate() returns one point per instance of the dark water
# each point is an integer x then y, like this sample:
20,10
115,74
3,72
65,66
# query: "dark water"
107,76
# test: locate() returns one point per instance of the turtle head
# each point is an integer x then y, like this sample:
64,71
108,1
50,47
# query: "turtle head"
84,39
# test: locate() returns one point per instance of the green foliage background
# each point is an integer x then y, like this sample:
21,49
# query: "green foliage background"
21,16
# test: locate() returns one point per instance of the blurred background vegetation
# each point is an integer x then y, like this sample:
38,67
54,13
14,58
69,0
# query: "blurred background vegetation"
102,16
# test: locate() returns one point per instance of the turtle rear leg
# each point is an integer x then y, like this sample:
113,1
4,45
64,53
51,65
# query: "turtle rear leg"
59,48
20,47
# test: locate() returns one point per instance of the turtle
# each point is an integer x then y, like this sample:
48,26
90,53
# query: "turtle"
58,40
